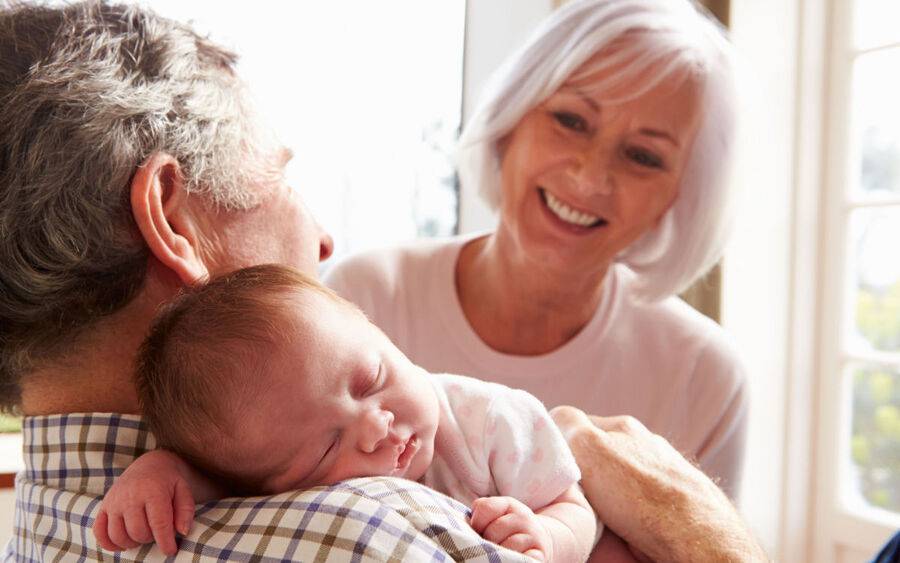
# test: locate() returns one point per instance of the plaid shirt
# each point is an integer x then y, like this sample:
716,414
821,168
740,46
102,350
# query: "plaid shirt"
71,460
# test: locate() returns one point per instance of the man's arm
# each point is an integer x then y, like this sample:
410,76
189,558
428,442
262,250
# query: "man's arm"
650,495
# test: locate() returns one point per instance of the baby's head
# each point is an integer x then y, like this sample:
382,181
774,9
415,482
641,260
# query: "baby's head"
271,382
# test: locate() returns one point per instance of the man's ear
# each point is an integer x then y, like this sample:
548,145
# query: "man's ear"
159,206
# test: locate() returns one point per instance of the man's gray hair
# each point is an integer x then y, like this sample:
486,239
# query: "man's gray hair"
87,92
674,39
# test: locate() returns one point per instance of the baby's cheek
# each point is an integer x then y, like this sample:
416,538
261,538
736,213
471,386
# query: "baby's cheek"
421,463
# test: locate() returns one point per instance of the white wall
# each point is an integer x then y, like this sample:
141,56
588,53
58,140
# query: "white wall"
770,288
756,269
10,462
7,512
493,29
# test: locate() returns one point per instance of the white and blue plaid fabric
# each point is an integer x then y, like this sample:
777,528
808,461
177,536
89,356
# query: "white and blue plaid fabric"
71,460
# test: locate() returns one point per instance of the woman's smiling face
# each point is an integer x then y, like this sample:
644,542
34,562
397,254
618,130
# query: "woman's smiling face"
589,170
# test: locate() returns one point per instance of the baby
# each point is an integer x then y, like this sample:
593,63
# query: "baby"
264,381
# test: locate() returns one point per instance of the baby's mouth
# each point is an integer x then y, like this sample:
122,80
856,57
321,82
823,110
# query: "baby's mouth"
407,451
569,215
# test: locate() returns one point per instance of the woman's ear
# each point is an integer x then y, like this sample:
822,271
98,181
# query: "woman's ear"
159,206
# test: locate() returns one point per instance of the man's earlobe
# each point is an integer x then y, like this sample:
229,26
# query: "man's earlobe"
159,206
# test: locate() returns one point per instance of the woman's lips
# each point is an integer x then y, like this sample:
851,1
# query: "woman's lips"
565,214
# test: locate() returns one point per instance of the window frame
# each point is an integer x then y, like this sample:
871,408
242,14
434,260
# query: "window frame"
840,531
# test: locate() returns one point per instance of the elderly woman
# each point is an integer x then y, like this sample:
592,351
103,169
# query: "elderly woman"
604,145
131,166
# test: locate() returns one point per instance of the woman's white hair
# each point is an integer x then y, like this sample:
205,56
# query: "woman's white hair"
667,39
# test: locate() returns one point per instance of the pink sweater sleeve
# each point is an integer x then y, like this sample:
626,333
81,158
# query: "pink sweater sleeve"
719,390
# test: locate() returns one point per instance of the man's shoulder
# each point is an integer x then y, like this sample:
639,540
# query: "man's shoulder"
379,519
71,460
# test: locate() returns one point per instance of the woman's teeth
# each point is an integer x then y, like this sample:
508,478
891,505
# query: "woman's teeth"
568,214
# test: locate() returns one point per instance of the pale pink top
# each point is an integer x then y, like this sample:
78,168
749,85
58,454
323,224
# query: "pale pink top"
663,363
493,440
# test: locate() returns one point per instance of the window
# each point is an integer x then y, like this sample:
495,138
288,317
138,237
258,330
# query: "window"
10,448
369,103
860,358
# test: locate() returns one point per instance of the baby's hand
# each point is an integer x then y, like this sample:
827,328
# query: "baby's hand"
147,503
508,522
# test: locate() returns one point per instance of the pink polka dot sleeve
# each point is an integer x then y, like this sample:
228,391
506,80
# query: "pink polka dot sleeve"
528,457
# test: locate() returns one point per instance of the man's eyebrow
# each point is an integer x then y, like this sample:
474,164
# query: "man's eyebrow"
659,134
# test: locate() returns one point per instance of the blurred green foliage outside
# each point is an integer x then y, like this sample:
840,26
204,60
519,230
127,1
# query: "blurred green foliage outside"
875,442
10,423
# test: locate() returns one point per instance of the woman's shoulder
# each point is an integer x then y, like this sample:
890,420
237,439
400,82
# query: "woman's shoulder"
679,329
670,315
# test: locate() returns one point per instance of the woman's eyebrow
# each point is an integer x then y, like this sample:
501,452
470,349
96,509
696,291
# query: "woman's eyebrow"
659,134
588,100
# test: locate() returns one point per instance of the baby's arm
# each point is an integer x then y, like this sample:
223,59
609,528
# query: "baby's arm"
561,531
152,499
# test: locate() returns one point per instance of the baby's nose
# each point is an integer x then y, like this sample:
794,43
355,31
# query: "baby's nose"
376,428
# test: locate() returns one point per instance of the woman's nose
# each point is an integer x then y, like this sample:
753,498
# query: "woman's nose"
591,173
375,427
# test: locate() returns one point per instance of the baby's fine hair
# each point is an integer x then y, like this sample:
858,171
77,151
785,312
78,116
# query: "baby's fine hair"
201,363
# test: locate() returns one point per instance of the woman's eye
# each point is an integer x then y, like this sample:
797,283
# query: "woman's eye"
644,158
570,121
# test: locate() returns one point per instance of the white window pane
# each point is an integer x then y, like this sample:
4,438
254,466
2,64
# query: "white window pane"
367,94
876,124
875,274
876,23
875,438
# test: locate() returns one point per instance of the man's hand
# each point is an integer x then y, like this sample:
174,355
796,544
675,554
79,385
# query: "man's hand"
650,495
147,503
509,523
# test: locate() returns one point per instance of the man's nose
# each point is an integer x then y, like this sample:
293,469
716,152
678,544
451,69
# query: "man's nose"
375,427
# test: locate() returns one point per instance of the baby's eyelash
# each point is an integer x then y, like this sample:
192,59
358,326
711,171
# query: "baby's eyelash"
373,386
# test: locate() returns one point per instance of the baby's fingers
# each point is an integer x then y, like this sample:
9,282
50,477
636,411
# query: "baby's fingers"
159,516
118,533
136,525
100,532
184,507
520,542
487,509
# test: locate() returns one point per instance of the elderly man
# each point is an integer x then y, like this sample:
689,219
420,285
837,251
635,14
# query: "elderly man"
130,166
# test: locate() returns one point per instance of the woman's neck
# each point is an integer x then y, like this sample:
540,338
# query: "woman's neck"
519,307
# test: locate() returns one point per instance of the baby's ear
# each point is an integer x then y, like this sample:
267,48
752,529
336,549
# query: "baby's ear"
164,219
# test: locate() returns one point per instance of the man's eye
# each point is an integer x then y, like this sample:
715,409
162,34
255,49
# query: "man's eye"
570,121
644,158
